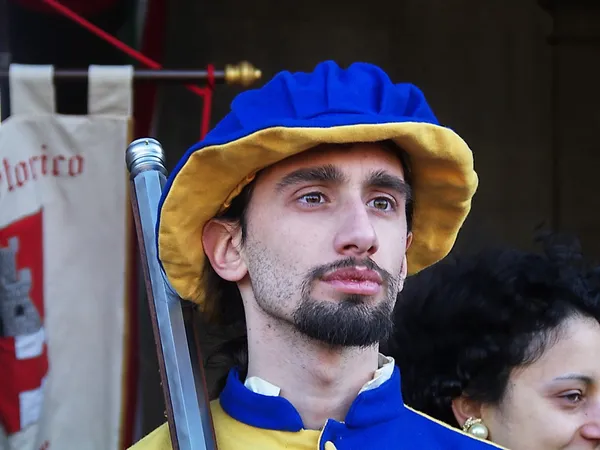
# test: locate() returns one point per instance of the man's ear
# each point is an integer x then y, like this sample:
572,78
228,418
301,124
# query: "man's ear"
222,244
404,271
463,408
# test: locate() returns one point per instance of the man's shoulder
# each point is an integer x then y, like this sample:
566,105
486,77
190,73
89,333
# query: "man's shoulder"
427,428
159,439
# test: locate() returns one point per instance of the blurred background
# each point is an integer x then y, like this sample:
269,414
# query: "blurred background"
517,79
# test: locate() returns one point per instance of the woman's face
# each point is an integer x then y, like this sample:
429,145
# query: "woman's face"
553,403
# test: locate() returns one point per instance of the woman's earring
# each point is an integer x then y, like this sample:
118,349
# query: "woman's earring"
476,427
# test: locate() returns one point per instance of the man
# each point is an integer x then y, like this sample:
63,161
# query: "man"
314,198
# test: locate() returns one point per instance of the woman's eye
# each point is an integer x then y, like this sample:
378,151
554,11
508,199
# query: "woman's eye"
573,397
382,203
312,198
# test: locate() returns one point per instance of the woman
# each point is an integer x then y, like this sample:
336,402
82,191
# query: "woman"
506,346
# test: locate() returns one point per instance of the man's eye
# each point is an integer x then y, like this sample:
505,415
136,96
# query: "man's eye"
312,198
382,203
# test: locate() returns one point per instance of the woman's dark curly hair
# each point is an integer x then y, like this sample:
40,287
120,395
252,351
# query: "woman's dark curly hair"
464,324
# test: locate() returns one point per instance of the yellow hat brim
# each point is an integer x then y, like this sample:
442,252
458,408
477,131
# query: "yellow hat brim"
444,182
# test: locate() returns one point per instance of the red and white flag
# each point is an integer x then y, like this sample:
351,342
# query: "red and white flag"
65,258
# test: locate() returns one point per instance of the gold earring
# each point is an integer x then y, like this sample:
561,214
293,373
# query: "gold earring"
476,427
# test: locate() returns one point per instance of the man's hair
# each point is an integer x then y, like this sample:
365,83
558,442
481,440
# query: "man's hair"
223,299
464,324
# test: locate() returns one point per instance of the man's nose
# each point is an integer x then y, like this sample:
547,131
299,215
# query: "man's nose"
356,236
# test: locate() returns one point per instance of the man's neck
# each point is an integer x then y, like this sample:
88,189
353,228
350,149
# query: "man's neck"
321,382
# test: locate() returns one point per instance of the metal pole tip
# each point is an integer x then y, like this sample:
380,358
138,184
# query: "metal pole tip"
145,154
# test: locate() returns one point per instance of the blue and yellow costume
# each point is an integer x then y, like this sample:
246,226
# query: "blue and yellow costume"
290,114
377,419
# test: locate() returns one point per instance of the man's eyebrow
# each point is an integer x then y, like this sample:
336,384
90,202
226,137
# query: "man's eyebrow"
384,180
322,174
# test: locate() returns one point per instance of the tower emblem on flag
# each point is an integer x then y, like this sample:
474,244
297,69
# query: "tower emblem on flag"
23,350
18,314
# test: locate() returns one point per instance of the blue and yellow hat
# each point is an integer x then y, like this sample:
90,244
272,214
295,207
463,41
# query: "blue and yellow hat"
295,112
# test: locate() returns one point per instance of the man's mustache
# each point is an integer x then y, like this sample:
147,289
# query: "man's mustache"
320,271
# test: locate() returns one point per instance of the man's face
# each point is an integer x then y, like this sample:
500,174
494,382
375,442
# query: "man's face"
326,243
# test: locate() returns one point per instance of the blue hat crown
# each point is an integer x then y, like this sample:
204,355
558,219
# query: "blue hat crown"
328,96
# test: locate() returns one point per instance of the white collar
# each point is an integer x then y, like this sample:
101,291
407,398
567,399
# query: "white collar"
381,375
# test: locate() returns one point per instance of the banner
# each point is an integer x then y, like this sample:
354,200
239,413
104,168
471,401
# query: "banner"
65,265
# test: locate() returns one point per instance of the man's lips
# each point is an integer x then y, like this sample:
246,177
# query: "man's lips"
355,280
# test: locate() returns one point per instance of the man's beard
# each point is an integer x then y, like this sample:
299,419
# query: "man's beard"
351,322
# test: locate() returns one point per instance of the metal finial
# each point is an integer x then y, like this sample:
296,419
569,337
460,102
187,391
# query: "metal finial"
145,154
243,73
